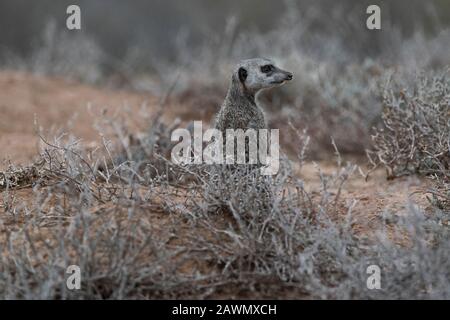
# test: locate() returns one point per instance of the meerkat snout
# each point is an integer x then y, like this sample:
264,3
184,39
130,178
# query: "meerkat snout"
289,76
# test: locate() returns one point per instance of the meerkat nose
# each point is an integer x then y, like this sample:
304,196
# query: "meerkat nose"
289,76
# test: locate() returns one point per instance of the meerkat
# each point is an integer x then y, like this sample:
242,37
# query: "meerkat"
240,109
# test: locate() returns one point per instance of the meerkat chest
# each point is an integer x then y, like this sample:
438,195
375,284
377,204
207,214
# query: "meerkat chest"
256,120
248,118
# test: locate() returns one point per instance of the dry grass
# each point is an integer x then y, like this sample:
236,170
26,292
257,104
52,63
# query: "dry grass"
416,133
135,233
141,227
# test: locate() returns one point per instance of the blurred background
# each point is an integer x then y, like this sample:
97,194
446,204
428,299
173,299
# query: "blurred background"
340,66
154,25
147,33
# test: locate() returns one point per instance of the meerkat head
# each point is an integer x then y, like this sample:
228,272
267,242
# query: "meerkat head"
257,74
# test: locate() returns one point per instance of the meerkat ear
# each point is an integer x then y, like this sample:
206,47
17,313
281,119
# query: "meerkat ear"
242,74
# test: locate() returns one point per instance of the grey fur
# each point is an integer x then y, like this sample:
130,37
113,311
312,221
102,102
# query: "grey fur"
240,110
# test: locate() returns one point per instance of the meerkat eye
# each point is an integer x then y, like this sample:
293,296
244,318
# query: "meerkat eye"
267,68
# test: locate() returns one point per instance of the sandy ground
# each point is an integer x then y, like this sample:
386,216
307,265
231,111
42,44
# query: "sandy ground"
53,103
61,104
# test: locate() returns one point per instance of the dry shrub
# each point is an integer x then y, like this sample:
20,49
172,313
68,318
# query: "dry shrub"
416,133
141,227
143,236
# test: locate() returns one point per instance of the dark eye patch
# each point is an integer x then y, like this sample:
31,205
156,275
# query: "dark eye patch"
242,74
267,68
